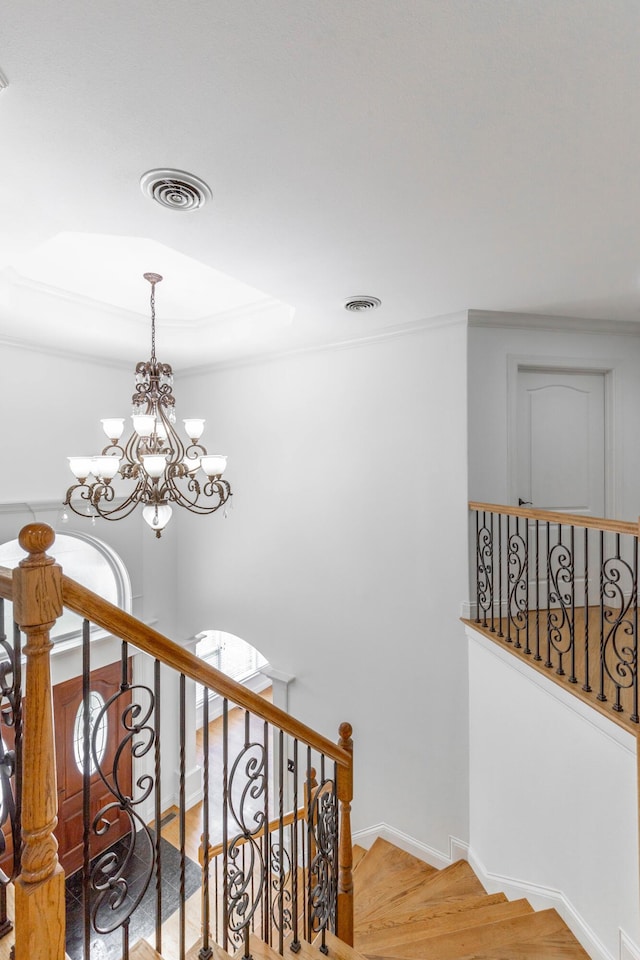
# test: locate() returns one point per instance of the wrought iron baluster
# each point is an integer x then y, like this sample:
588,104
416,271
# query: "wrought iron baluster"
281,890
485,570
619,642
158,804
508,638
547,662
311,773
86,787
634,715
17,729
266,886
295,942
572,625
501,632
492,577
527,648
225,831
477,567
537,656
117,889
518,602
206,951
182,818
586,686
601,694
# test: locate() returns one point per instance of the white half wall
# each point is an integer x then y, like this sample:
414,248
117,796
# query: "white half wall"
344,559
553,792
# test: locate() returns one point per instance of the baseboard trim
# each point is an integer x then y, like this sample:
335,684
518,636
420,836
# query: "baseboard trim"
540,897
628,949
422,851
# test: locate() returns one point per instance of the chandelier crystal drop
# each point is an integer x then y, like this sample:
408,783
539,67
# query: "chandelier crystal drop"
166,470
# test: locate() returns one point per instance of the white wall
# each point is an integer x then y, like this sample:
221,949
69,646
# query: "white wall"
343,560
553,795
52,407
490,349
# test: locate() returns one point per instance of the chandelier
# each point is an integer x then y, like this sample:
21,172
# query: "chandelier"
165,470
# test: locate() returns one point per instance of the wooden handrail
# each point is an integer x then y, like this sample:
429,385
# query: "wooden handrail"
6,583
111,618
556,516
272,826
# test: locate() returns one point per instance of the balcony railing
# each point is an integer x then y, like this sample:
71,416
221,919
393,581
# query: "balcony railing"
561,591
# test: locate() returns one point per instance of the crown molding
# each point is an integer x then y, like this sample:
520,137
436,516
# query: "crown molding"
380,336
51,351
542,321
264,305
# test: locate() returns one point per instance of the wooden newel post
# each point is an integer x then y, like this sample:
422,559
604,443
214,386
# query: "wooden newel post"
345,843
39,890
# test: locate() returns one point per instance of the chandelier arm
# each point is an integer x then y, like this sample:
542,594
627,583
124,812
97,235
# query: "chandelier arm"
221,487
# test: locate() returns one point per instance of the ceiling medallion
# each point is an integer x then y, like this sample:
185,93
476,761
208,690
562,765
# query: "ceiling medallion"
165,469
175,189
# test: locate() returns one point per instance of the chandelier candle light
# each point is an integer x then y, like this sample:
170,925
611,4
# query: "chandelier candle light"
164,468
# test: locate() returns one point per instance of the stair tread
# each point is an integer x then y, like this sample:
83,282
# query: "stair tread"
426,913
486,940
406,895
383,868
143,951
338,949
262,951
424,929
218,952
358,853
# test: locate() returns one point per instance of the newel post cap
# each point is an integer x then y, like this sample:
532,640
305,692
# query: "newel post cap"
35,539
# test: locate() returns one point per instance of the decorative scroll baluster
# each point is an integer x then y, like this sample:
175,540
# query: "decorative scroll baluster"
601,694
634,709
484,571
518,603
562,592
619,646
39,889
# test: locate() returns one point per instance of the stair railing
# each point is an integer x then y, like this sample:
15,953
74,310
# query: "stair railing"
277,874
560,591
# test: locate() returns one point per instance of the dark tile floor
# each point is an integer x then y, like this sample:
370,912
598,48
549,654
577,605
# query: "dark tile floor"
109,911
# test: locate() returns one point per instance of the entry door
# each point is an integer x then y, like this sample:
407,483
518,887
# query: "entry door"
561,441
67,706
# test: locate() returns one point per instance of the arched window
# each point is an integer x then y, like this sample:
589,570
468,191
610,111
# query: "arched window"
89,561
230,654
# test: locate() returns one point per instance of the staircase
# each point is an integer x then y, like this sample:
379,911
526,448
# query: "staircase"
408,910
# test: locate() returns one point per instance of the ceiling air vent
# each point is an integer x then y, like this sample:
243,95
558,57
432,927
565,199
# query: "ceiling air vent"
175,189
358,304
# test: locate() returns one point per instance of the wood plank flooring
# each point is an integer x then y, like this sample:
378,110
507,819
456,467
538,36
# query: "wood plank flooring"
573,651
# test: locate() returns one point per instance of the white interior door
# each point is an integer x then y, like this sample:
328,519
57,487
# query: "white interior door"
560,451
561,440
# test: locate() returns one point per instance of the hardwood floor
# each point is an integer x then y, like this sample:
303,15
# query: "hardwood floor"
548,636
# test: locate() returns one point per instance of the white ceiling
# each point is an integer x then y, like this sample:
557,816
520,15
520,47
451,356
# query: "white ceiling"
438,154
